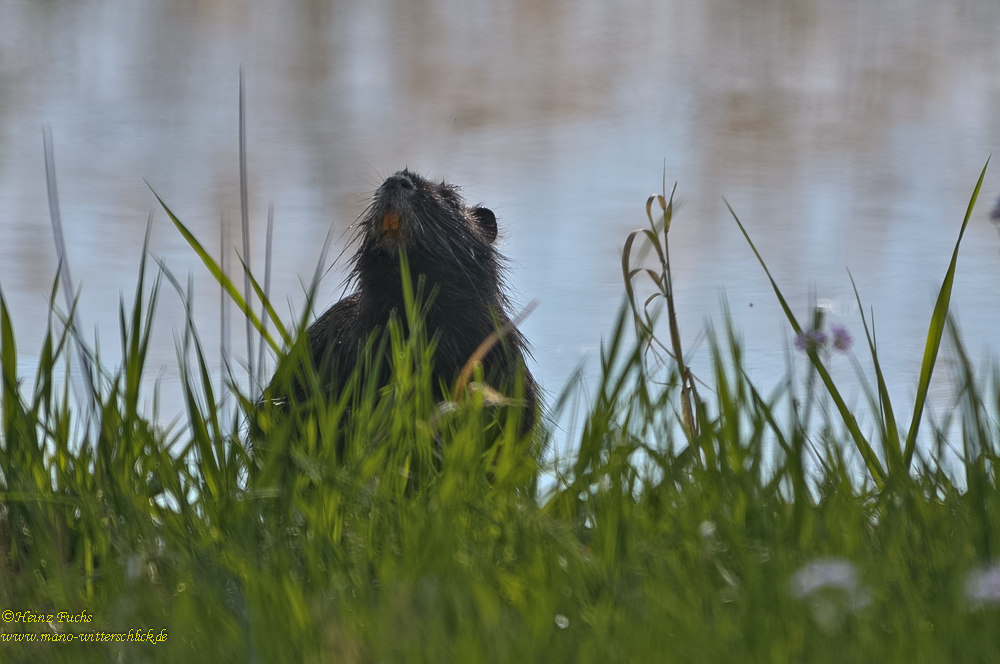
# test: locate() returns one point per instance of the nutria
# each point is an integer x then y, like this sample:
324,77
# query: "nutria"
449,246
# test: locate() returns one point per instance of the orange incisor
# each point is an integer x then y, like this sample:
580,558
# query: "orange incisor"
390,224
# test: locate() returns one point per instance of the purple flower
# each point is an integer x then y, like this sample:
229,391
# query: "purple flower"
995,212
841,338
810,339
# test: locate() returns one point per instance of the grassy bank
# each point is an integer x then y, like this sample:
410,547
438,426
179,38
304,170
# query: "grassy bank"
694,522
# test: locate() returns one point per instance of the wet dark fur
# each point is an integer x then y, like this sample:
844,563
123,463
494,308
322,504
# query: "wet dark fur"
449,244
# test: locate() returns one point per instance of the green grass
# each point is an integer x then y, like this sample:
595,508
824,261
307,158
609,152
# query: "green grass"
717,525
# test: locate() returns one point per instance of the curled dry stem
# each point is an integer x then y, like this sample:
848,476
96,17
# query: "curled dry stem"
664,284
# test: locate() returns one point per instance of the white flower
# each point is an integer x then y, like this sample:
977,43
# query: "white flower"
823,573
982,588
832,589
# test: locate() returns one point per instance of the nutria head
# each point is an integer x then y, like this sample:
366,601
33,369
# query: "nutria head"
445,240
448,246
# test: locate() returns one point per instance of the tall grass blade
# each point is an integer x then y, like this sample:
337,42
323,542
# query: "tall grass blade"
265,304
976,434
226,282
890,431
936,329
864,447
8,365
224,337
134,335
267,288
245,227
60,240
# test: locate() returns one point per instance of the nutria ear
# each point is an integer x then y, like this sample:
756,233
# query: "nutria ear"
487,221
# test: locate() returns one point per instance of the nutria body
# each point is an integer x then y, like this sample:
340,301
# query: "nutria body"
449,245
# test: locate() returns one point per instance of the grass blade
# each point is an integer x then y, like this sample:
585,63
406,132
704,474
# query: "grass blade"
936,329
60,240
889,429
245,226
864,447
224,279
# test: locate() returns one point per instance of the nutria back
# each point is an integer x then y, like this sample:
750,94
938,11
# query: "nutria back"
450,246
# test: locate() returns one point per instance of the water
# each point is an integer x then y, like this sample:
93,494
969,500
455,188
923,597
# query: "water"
844,134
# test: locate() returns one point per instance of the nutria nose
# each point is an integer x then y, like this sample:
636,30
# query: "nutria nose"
398,180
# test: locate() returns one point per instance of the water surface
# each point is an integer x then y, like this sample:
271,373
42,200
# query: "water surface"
845,134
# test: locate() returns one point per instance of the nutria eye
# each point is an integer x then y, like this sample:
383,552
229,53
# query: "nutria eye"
487,221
